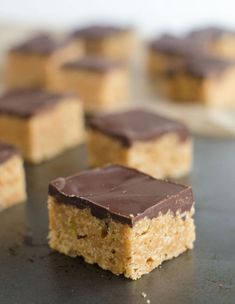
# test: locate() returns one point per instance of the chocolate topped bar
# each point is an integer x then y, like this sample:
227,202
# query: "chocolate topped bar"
210,33
41,44
135,125
124,194
7,151
96,32
27,103
95,64
172,45
201,66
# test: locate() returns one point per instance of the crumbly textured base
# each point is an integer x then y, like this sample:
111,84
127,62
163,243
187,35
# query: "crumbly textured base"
114,47
224,47
118,247
214,91
46,134
98,91
164,157
12,182
25,70
158,64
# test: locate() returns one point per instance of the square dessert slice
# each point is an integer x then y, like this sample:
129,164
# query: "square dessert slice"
12,177
169,51
205,80
140,139
41,124
123,220
217,40
107,40
102,84
29,62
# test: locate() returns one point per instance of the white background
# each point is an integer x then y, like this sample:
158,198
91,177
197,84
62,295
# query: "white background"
148,16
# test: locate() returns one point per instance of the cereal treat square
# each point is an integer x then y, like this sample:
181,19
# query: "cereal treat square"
204,80
40,123
167,52
107,40
102,84
29,63
140,139
123,220
12,177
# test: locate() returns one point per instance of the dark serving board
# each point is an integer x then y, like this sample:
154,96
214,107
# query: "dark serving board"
31,273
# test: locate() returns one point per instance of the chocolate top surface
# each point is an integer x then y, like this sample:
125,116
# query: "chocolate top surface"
96,32
210,33
41,44
203,66
7,151
172,45
124,194
96,64
136,125
27,103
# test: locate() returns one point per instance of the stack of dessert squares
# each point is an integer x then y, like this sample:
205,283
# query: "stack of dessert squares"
122,214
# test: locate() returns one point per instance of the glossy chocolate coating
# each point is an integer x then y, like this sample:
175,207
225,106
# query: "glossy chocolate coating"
203,66
7,151
96,32
124,194
27,103
41,44
171,45
210,33
95,64
136,125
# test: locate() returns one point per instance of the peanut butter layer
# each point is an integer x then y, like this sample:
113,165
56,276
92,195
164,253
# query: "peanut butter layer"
124,194
94,64
136,125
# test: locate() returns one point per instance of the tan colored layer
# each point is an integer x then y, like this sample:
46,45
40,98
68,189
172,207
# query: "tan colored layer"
12,182
224,47
98,91
158,64
166,156
185,88
212,91
46,134
118,247
31,70
116,47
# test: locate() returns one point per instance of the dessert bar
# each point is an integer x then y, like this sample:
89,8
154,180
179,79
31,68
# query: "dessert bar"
123,220
40,123
12,176
140,139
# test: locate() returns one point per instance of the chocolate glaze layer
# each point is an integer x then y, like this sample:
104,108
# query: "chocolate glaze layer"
41,44
172,45
126,195
136,125
96,32
209,34
27,103
202,66
7,151
95,64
